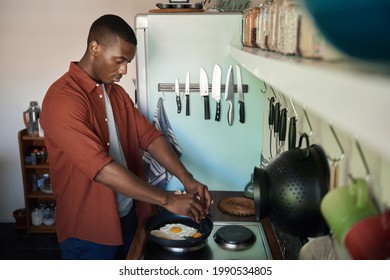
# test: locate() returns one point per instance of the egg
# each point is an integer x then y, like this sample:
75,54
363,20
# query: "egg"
175,232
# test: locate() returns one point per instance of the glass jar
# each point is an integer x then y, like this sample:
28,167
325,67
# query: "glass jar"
49,215
37,217
252,26
263,26
244,25
274,25
292,13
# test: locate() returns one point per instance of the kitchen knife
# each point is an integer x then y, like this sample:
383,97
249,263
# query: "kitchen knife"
187,93
177,91
229,94
216,90
204,92
240,94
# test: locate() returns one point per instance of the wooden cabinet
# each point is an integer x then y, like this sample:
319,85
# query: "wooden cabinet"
31,172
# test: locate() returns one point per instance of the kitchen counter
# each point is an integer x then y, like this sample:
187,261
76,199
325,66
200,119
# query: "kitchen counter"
140,239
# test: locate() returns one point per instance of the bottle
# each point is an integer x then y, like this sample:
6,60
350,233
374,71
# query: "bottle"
30,118
34,156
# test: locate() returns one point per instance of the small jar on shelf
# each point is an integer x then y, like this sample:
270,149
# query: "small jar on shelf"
37,216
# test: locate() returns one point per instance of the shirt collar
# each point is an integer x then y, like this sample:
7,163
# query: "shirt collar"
83,79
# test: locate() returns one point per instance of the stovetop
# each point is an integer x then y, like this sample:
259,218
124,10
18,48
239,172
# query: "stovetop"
212,251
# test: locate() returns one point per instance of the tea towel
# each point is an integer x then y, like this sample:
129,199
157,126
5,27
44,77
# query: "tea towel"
156,174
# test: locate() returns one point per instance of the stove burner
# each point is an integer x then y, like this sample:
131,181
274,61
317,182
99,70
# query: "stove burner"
186,249
234,237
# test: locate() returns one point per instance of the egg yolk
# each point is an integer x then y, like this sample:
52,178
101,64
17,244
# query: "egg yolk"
197,235
175,229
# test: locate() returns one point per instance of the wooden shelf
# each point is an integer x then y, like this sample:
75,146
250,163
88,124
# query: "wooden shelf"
42,229
353,95
32,198
40,195
37,166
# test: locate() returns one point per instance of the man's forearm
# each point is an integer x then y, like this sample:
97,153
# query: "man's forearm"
121,180
162,151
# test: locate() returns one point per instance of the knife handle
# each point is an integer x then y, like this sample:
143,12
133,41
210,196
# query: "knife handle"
178,102
283,125
218,112
187,105
292,134
230,113
242,111
271,115
206,108
277,118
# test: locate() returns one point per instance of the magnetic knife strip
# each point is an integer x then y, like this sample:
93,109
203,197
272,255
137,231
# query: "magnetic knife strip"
170,87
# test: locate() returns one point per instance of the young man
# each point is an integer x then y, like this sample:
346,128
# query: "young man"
95,136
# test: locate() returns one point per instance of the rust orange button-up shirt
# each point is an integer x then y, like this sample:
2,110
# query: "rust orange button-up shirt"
76,135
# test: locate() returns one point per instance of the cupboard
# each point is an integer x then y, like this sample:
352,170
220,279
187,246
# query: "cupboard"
35,175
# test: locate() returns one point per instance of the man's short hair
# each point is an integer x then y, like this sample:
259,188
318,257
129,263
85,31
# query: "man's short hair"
106,29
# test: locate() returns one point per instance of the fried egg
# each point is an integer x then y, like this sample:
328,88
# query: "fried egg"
176,232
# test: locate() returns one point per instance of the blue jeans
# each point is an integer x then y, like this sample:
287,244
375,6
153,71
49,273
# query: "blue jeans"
77,249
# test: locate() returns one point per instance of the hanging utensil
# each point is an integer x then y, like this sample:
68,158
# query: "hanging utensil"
177,92
204,92
292,130
289,190
271,122
229,94
216,90
282,130
240,95
187,93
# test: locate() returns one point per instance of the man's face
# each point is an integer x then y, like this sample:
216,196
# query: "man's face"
110,63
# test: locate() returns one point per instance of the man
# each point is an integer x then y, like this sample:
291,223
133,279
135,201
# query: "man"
94,136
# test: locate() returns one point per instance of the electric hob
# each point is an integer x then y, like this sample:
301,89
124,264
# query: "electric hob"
227,241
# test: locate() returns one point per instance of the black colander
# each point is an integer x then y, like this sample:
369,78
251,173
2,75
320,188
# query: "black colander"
290,188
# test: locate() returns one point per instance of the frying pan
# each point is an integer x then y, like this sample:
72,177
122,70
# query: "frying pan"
165,217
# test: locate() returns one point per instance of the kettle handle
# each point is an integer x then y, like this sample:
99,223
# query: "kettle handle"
304,135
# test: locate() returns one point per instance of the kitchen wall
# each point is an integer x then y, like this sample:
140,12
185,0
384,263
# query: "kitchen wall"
38,40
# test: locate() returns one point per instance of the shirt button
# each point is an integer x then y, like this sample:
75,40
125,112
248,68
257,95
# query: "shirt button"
101,96
97,85
108,144
106,119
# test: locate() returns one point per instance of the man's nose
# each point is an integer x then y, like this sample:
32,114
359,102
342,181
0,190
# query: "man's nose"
123,69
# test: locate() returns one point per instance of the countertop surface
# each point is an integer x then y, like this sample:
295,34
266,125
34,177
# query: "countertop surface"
140,239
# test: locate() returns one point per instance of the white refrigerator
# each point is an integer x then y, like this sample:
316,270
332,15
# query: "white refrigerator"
220,155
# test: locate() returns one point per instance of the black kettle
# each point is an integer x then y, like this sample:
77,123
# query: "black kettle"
290,188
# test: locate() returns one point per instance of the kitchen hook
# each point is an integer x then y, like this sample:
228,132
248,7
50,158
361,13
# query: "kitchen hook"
308,122
334,166
367,176
294,110
265,86
163,98
338,143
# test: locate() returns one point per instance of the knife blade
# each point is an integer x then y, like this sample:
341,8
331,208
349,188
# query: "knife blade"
187,93
216,90
177,91
240,94
229,94
204,92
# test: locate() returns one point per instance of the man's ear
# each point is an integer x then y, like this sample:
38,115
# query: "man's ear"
93,48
